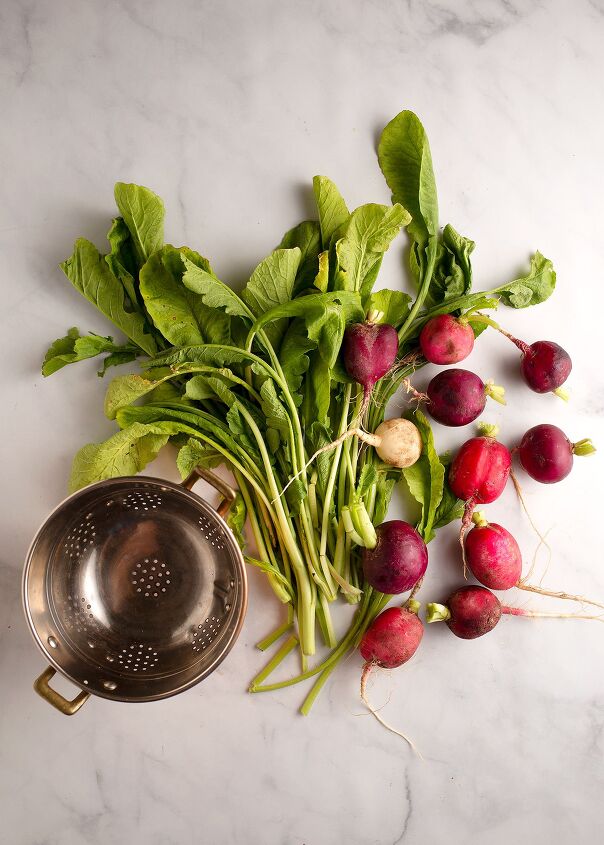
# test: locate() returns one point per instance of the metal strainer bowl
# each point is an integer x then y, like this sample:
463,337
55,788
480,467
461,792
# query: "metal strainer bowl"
134,589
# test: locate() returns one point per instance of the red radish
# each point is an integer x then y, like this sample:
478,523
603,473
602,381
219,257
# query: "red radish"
398,560
369,351
494,558
546,453
471,612
493,555
478,475
446,340
457,397
390,641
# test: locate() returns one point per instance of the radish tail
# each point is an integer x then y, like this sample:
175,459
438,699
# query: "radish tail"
531,588
542,539
465,524
518,611
366,670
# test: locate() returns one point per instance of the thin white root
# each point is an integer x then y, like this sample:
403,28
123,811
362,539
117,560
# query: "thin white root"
365,674
518,489
549,614
417,396
522,585
351,432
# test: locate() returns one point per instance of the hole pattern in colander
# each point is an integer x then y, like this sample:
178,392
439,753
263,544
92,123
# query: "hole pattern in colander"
205,633
141,500
77,614
151,578
211,532
137,658
80,538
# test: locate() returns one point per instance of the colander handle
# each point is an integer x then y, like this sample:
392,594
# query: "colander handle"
63,705
227,492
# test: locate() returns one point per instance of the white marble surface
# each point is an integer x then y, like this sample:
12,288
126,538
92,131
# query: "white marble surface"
227,109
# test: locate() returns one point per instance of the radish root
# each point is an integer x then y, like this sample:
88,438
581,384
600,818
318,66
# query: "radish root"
364,676
518,611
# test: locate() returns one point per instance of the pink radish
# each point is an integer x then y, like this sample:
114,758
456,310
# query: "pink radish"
546,453
390,641
478,475
398,560
471,612
494,558
446,340
457,397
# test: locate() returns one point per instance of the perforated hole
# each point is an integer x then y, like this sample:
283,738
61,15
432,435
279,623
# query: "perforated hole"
205,633
211,532
138,656
150,577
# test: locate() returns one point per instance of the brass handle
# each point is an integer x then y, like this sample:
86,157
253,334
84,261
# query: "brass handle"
68,708
217,483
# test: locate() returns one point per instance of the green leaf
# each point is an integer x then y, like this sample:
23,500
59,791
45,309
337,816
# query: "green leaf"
322,278
121,355
452,275
449,509
274,411
143,213
367,235
180,314
89,273
194,454
236,520
124,390
406,162
317,397
272,284
293,356
385,486
307,237
125,453
333,213
535,287
214,293
367,479
122,258
73,347
212,355
426,478
393,305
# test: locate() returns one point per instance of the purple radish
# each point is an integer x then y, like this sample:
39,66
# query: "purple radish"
494,558
545,365
546,453
471,612
457,397
369,351
390,641
398,560
446,340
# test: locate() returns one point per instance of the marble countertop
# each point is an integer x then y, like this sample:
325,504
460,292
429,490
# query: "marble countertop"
227,110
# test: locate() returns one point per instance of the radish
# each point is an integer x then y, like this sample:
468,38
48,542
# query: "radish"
478,475
446,340
546,453
390,641
457,397
545,365
471,612
398,560
369,351
494,558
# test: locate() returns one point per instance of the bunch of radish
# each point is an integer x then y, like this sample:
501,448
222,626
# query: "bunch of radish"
477,475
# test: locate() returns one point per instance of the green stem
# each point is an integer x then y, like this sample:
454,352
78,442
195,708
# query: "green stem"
278,632
288,646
